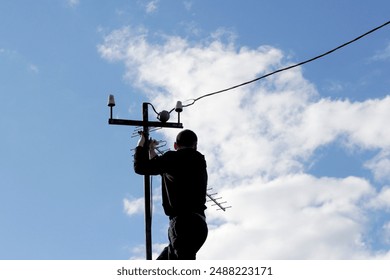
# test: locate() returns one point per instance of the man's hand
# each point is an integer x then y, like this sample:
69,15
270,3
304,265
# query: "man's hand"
152,144
141,141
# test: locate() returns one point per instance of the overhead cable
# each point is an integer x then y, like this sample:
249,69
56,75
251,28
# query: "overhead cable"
288,67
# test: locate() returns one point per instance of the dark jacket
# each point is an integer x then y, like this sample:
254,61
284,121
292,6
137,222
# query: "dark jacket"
184,179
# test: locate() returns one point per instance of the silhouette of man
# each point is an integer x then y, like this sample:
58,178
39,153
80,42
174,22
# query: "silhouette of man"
184,186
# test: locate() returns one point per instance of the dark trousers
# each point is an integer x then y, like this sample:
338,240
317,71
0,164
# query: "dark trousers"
187,233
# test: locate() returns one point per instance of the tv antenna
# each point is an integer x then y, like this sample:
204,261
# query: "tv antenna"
214,199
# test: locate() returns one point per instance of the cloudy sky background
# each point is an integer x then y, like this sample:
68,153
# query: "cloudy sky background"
303,157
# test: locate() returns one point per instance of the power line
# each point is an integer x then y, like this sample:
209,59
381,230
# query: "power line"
289,67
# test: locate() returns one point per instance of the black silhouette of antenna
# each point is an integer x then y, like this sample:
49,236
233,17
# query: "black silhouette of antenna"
214,199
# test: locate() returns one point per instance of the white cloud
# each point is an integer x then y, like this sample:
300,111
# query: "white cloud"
19,59
334,86
292,217
386,233
133,206
152,6
33,68
258,141
192,27
380,166
383,55
382,200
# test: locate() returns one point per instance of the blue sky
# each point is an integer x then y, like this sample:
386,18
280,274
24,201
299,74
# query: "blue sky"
303,157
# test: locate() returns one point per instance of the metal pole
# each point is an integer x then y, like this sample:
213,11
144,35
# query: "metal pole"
147,189
148,214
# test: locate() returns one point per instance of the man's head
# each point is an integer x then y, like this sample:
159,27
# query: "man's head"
186,139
